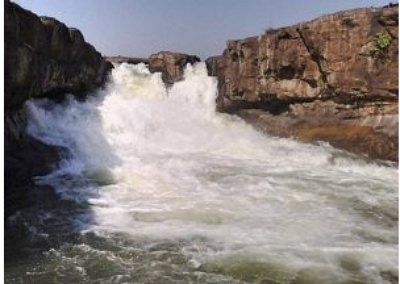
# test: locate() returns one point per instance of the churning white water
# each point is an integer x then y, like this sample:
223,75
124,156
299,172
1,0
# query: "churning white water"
188,195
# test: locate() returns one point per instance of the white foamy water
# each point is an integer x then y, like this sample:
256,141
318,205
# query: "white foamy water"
162,168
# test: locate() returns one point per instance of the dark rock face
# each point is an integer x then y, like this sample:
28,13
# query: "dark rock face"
171,65
43,58
309,75
24,158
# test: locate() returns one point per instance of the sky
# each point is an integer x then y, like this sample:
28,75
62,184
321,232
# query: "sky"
139,28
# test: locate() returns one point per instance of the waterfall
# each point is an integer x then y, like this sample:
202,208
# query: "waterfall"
178,192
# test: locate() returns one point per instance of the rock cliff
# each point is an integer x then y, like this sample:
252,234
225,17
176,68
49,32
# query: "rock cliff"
334,79
43,58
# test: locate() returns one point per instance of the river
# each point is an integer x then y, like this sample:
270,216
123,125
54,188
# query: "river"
156,187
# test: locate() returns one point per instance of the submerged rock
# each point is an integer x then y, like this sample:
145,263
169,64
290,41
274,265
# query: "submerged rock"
333,63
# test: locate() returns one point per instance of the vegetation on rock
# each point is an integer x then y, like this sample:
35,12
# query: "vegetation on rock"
383,41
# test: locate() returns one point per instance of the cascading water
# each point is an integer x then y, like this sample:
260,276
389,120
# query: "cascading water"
166,190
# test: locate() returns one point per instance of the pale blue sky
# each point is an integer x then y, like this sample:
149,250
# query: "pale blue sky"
201,27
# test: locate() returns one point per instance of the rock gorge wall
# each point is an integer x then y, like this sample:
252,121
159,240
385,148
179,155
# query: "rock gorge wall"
43,58
330,79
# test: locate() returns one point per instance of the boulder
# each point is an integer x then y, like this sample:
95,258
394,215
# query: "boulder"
171,65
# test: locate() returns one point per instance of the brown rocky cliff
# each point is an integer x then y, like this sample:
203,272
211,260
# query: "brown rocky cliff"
43,58
333,71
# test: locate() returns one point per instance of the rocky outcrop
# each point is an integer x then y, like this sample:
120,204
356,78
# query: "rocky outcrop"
171,65
319,80
43,58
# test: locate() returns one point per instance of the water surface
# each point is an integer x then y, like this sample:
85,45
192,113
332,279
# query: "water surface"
157,187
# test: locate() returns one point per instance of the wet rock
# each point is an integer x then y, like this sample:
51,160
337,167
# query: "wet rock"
333,59
371,130
24,158
43,58
216,66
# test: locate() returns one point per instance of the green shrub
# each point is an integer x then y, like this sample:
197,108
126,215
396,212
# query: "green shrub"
383,41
